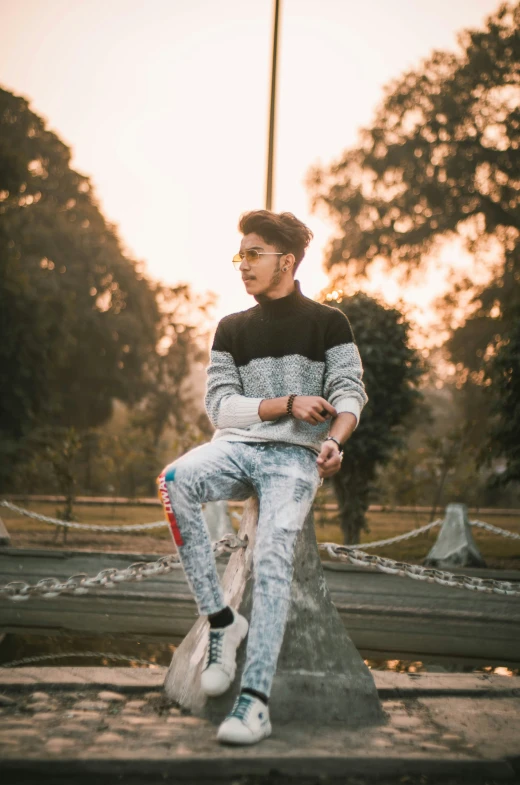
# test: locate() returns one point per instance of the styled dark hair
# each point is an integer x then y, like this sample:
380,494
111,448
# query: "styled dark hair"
283,230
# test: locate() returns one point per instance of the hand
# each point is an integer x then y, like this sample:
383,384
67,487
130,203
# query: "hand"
312,409
329,459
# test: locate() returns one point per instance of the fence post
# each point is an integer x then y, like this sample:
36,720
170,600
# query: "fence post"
455,546
321,678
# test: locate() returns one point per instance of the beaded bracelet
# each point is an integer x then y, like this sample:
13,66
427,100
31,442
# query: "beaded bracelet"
290,403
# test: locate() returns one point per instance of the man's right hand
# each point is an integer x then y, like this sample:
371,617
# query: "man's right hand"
312,409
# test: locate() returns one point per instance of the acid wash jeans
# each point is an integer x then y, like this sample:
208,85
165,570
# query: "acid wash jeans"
285,479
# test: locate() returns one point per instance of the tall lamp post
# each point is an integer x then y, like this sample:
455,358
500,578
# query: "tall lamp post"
272,110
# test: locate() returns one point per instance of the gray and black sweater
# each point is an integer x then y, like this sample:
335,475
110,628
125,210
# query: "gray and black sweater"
279,347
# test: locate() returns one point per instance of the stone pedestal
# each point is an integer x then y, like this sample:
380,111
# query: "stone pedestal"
321,678
455,546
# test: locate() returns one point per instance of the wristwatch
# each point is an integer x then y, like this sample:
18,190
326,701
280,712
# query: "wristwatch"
340,446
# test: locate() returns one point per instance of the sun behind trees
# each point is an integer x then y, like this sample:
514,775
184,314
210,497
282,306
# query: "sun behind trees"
82,326
442,160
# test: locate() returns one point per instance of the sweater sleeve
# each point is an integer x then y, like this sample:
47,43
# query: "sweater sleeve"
343,382
226,404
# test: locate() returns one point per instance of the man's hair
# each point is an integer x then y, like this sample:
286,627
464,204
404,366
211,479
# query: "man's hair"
283,230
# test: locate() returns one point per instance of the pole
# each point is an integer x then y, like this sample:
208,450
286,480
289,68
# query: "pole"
272,111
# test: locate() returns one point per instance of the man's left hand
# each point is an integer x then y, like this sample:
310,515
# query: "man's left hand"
329,461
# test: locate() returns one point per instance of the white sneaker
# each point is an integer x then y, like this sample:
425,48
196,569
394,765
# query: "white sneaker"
247,723
220,664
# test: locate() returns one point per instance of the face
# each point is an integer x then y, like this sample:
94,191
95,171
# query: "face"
264,276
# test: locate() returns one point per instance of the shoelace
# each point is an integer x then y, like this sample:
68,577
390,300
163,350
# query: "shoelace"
215,647
242,707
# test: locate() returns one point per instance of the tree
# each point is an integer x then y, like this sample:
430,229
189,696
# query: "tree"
442,160
439,460
392,371
176,390
505,373
78,318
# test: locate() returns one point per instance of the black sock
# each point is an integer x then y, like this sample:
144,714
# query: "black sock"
221,619
255,694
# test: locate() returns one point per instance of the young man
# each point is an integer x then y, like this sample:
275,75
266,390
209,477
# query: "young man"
285,393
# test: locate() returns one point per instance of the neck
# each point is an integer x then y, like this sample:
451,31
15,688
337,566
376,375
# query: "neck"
283,289
283,305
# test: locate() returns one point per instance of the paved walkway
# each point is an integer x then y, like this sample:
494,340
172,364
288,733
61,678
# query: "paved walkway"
58,723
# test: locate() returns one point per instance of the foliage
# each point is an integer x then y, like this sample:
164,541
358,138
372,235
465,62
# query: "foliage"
442,160
83,327
505,372
126,462
49,461
392,370
442,468
443,150
78,318
175,393
441,459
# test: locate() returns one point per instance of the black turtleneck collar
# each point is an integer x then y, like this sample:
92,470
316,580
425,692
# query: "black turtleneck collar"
283,306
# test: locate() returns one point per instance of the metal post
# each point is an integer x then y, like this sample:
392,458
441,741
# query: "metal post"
272,111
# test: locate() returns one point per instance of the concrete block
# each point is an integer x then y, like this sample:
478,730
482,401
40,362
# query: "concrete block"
321,678
455,546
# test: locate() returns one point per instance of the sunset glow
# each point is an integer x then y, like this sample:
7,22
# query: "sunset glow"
164,105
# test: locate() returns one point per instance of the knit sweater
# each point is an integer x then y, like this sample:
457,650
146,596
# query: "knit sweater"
278,347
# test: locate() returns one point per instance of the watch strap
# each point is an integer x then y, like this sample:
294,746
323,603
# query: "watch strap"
333,439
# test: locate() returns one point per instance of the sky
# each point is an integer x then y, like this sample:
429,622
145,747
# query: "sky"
165,106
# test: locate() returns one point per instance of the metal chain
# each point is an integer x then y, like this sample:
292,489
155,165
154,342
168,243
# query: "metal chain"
161,524
405,536
133,527
349,554
495,529
81,583
107,656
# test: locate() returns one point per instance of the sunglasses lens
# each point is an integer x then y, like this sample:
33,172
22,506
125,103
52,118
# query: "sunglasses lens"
251,257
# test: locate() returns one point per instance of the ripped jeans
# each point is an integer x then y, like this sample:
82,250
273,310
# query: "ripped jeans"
285,479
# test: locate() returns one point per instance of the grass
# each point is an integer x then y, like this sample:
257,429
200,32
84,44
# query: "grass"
499,552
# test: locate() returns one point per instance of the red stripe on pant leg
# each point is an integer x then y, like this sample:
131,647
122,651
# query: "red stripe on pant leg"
164,496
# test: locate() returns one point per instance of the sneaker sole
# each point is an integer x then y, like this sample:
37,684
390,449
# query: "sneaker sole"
246,742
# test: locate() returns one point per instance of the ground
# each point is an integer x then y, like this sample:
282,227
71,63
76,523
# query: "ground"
71,721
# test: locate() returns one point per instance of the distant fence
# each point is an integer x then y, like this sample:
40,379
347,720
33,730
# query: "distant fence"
152,501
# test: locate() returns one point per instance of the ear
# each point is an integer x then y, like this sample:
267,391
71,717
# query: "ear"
289,261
